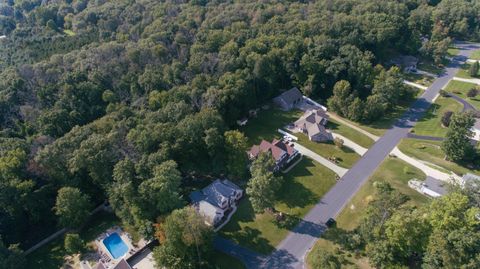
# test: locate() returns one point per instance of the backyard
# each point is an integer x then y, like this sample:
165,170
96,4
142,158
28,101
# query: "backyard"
431,152
392,170
303,186
430,124
461,89
53,254
266,124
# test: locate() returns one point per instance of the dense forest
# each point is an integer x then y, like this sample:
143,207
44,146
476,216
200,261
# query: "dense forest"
130,101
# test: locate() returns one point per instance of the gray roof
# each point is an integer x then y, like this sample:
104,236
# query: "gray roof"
436,185
291,95
215,193
122,264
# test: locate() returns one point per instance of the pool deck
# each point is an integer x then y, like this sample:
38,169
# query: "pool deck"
103,251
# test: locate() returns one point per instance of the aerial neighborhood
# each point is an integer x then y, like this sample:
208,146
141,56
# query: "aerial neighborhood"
240,134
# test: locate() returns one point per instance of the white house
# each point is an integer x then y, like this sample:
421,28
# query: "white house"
216,200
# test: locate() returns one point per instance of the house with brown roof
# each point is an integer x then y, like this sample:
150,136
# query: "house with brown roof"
312,123
281,152
289,99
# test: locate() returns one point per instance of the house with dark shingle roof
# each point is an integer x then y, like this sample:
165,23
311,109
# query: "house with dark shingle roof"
312,123
213,201
281,152
289,99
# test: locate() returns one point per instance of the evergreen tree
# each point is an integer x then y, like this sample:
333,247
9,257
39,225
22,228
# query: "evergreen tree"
457,145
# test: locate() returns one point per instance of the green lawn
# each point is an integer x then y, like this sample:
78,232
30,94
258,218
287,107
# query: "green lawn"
475,55
464,72
267,123
418,78
346,156
392,170
430,67
224,261
350,133
452,51
430,151
304,185
431,124
52,255
69,32
461,89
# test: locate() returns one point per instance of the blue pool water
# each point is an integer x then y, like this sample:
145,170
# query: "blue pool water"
115,245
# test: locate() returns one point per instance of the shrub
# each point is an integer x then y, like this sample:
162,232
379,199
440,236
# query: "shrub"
443,93
338,142
472,93
447,116
73,244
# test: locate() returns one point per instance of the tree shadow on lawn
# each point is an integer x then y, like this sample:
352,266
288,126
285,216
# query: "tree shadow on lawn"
430,113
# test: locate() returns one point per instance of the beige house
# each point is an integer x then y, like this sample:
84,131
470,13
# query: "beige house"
312,123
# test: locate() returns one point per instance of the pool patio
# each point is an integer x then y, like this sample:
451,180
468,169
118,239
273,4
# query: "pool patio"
105,255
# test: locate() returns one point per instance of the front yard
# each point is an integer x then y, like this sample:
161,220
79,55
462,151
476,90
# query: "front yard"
392,170
431,151
430,124
303,187
464,72
461,89
346,157
475,55
350,133
419,79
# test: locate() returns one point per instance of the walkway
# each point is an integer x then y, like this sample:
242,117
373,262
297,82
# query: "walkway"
353,126
323,161
290,253
416,85
469,80
350,144
429,171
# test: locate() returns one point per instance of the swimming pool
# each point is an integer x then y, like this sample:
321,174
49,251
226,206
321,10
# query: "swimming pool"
115,245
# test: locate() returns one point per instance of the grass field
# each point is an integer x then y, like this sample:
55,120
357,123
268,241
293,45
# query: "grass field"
392,170
267,123
224,261
452,51
430,67
431,124
52,255
461,89
464,72
475,55
69,32
346,156
430,151
418,78
303,186
350,133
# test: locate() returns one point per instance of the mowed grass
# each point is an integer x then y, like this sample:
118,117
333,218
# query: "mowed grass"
475,55
303,187
431,151
464,72
392,170
461,89
69,32
266,124
224,261
430,124
346,157
53,255
350,133
430,67
453,51
419,79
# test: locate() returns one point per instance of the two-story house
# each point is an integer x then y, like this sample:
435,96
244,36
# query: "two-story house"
281,152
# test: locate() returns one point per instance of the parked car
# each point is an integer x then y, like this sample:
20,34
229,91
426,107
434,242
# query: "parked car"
330,222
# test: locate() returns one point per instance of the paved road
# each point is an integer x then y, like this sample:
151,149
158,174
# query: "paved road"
466,105
291,251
